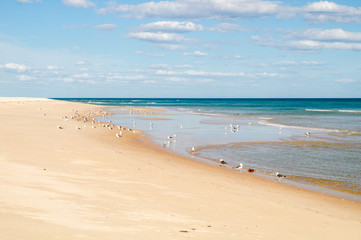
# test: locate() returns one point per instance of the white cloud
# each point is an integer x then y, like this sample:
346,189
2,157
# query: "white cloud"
326,35
15,67
150,54
25,78
199,73
171,26
184,66
176,79
305,44
315,12
215,74
126,77
172,47
160,65
227,28
195,9
81,75
79,3
325,11
265,74
68,79
158,37
28,1
312,45
80,63
196,54
106,27
54,68
294,63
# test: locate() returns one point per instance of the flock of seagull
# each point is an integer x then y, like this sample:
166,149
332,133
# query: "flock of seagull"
170,139
87,116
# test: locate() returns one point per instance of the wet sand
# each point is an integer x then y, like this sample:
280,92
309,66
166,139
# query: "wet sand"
89,184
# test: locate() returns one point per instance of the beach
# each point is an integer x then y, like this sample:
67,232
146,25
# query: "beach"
64,183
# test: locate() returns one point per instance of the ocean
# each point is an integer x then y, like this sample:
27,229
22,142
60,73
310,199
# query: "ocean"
316,143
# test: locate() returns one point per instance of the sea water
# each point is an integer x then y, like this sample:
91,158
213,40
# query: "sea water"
311,141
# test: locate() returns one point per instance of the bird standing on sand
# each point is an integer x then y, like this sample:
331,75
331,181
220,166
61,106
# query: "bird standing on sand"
222,161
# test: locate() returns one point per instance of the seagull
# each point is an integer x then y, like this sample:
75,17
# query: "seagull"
59,127
222,161
279,175
308,133
117,135
77,128
239,167
193,149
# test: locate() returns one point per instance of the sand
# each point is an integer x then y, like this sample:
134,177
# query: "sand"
89,184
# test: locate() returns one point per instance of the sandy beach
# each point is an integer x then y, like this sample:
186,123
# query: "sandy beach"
64,183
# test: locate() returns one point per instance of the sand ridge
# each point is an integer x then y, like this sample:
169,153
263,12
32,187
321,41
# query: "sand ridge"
89,184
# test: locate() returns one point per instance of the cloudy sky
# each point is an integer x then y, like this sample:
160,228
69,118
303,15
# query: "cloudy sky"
180,48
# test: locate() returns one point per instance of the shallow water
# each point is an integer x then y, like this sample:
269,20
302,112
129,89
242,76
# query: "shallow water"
266,135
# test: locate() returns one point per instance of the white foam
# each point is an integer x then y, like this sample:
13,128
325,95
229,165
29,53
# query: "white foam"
350,111
267,123
319,110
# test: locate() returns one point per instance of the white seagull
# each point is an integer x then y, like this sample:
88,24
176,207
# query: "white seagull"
279,175
239,167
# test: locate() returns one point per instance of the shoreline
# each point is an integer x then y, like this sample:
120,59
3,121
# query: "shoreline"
69,184
314,184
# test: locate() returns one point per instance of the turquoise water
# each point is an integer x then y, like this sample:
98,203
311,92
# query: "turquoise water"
268,135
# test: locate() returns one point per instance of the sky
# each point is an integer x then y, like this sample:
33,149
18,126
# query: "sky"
180,49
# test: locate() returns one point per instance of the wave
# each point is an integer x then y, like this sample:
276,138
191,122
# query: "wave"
350,111
95,102
333,110
266,123
319,110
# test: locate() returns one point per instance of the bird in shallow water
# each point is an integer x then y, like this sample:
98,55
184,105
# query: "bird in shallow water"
239,167
280,176
222,161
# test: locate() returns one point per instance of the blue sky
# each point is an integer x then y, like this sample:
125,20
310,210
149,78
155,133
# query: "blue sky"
180,48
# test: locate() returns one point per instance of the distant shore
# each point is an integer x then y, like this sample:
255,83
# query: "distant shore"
61,178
